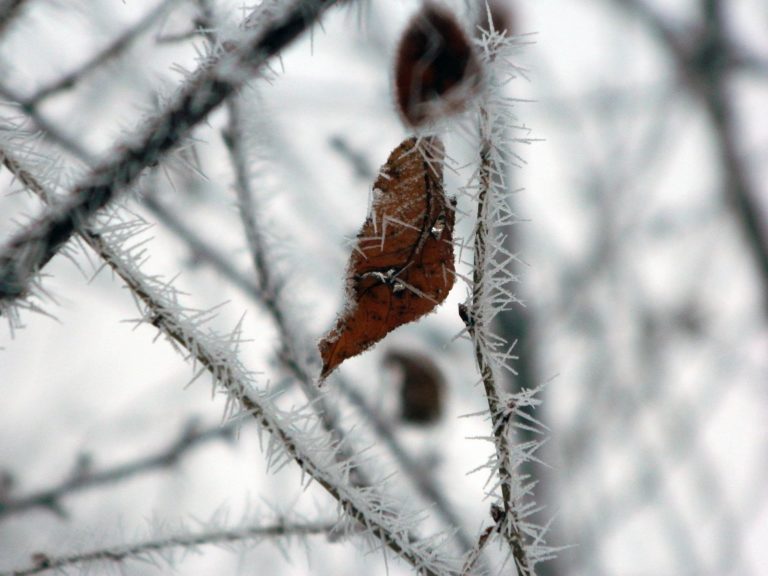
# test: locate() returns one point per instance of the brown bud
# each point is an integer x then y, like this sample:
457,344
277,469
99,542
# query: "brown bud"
437,71
421,389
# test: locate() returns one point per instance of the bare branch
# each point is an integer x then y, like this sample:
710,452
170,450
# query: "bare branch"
707,63
9,10
141,550
361,503
474,554
476,325
85,479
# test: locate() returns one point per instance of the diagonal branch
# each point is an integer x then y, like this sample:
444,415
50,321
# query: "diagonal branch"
713,74
476,323
217,355
84,479
35,245
143,550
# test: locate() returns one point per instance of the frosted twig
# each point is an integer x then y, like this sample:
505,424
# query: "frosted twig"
85,478
201,249
490,295
34,246
268,287
478,330
474,554
413,469
42,562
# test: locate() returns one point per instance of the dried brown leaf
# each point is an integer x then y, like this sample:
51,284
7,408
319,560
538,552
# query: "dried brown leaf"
402,265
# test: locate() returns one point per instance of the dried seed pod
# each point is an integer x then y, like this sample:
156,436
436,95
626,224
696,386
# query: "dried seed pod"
437,72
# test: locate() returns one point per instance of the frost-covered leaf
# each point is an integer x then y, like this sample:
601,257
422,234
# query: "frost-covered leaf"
402,265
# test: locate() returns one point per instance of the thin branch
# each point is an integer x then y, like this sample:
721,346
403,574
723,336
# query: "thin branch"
717,100
141,550
201,249
491,294
477,550
269,287
412,468
35,245
476,325
86,479
117,47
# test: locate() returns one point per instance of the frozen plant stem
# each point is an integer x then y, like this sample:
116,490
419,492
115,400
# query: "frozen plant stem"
140,550
268,290
477,550
478,330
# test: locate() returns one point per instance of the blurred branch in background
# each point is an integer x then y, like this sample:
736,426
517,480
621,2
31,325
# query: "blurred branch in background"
114,50
161,550
708,59
85,477
9,10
